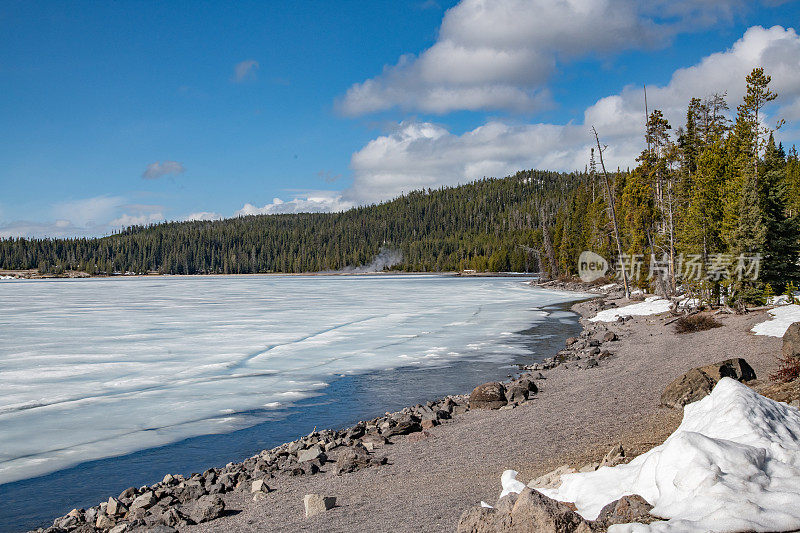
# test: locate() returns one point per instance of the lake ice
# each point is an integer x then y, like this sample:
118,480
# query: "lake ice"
103,367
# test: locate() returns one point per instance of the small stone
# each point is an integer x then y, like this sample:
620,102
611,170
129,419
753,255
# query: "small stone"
104,522
316,504
120,528
168,479
259,486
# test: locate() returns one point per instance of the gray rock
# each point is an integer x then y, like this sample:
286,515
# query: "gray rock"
314,452
531,511
115,508
259,485
627,509
207,508
516,393
791,341
404,425
122,527
144,501
698,382
315,504
610,336
490,395
104,521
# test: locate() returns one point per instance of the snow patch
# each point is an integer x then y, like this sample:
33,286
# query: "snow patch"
651,306
783,317
732,465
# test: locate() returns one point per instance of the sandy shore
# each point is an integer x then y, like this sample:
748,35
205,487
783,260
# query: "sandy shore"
576,417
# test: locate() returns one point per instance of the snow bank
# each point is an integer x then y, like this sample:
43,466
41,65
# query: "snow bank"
732,465
783,317
651,306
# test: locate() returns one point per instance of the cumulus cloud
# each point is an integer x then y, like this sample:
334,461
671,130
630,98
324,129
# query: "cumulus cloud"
142,219
498,54
304,202
422,154
159,169
245,70
203,215
86,217
88,212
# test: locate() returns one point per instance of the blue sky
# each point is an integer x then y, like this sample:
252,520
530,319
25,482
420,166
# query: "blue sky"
136,112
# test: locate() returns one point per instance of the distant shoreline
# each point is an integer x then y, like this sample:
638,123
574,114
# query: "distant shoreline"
34,275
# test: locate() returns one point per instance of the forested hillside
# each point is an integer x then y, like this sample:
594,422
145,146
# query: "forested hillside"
714,189
492,224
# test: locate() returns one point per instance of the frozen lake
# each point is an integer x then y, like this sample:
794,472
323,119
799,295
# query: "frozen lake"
105,367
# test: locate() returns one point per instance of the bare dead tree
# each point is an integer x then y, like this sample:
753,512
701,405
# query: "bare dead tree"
600,150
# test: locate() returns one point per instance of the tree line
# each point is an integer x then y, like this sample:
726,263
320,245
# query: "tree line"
490,224
707,202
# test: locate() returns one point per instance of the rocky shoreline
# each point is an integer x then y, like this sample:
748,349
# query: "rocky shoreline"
179,501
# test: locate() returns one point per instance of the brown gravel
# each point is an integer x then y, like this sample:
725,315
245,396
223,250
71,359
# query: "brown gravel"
577,416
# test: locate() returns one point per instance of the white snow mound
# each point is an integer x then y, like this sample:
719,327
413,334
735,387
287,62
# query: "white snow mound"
732,465
783,317
651,306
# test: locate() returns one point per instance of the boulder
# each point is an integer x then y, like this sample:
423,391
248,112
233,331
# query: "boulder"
428,423
791,341
490,395
115,508
144,501
314,452
516,393
610,336
207,508
315,504
404,425
698,382
531,511
632,508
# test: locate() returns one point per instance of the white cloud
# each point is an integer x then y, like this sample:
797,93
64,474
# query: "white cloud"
203,215
142,219
89,217
498,54
88,211
427,155
245,70
306,202
160,169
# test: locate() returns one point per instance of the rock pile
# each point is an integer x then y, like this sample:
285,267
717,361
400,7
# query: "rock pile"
178,501
530,510
595,343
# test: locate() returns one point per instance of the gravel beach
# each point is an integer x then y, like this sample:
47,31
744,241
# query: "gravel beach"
575,418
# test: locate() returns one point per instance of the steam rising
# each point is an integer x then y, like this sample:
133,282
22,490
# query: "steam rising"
386,259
